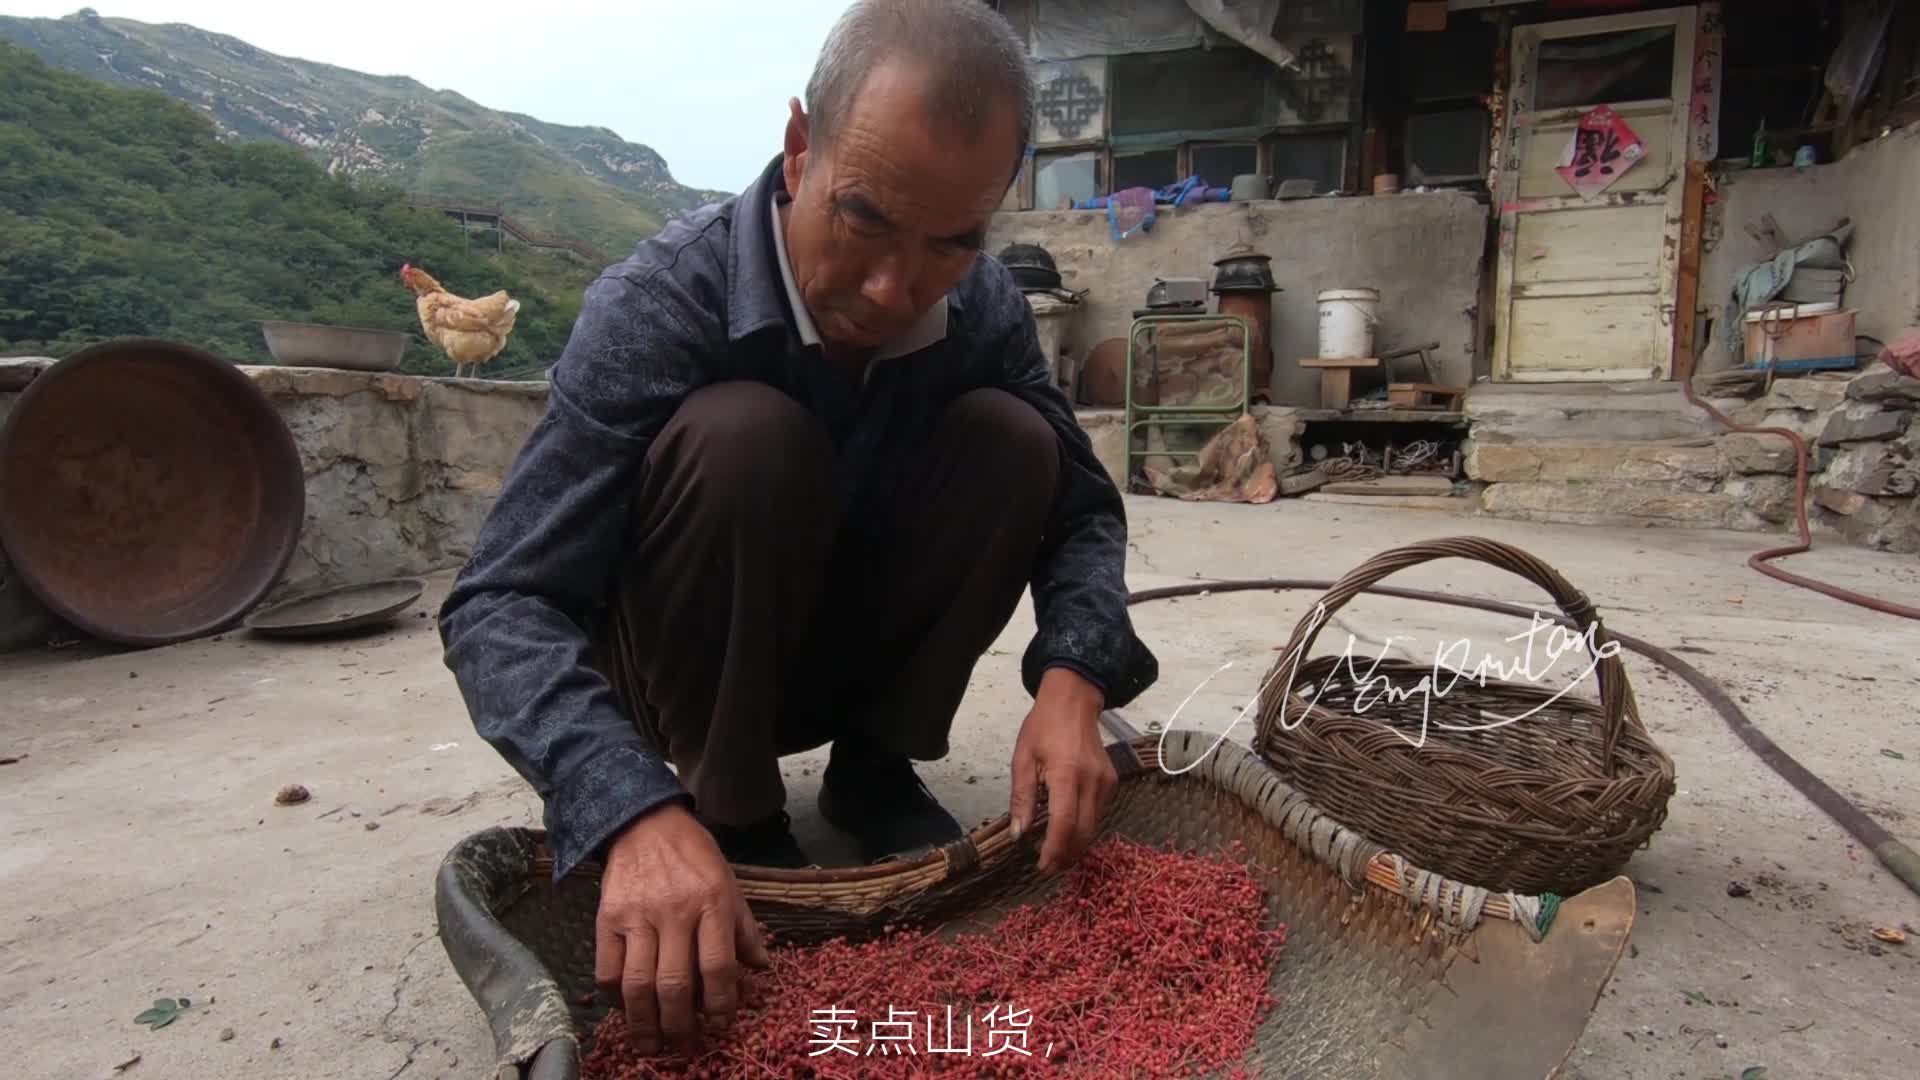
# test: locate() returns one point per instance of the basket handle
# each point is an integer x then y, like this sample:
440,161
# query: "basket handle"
1616,696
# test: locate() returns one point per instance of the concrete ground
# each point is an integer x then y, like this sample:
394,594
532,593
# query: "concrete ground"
144,855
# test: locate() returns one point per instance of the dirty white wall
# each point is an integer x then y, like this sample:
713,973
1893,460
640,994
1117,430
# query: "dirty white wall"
400,470
1424,252
1877,186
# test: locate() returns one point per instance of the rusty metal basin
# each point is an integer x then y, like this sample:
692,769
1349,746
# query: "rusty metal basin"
149,492
354,348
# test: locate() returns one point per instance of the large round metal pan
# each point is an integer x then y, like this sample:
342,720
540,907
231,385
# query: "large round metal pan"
149,492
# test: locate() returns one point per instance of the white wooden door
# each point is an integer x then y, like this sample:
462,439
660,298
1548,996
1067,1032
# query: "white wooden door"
1585,282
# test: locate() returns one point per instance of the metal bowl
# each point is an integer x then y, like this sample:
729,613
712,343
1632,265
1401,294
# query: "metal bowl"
1249,186
149,492
354,348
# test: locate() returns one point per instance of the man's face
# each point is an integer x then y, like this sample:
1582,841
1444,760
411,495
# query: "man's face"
890,214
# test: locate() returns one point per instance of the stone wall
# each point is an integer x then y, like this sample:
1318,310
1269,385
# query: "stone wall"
1875,186
1424,252
400,471
1865,463
1642,462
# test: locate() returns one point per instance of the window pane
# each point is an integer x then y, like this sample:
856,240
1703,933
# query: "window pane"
1450,144
1219,164
1320,158
1059,178
1191,90
1320,17
1454,64
1152,169
1600,69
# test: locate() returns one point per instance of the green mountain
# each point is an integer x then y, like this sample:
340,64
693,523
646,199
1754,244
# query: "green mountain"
122,212
580,182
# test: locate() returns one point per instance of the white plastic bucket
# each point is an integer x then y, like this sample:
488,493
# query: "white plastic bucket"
1347,319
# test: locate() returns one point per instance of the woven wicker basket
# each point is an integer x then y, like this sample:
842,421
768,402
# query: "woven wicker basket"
1553,802
1389,972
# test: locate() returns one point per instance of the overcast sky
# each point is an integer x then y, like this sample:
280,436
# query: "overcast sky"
704,82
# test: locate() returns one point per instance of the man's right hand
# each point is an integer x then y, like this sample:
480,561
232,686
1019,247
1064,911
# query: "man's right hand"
673,929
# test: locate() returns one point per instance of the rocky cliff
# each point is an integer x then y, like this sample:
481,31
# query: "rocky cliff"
579,181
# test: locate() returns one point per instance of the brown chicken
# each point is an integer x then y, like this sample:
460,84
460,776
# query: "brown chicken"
470,332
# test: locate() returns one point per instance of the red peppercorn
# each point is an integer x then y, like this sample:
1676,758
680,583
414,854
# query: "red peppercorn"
1144,963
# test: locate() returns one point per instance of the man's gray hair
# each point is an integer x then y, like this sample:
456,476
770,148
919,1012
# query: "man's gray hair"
976,62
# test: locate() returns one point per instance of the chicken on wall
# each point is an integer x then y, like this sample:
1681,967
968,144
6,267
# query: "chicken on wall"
470,332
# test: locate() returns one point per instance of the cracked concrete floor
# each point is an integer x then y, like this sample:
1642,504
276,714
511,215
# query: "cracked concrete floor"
144,855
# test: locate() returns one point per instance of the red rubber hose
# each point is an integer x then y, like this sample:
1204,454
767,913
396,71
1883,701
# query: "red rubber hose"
1760,560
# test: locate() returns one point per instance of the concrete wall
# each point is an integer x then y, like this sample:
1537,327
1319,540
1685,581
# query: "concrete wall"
1877,186
1424,252
400,471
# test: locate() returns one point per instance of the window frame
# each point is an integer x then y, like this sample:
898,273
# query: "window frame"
1102,170
1263,142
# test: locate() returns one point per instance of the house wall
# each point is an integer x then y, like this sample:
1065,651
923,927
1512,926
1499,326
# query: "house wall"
1424,252
1875,186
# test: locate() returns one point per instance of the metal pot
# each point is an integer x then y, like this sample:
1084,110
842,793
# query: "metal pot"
1032,266
1243,269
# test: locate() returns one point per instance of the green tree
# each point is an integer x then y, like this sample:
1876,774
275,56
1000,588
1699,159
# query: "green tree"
122,214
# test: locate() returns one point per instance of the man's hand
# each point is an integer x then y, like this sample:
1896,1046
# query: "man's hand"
1060,746
672,929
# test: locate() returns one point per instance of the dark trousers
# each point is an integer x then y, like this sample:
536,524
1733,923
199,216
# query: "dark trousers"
756,620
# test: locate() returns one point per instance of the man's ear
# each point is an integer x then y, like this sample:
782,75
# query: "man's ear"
797,146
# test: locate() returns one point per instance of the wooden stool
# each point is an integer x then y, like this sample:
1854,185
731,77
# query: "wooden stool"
1336,377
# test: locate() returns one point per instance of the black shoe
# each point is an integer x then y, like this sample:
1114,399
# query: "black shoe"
881,801
764,843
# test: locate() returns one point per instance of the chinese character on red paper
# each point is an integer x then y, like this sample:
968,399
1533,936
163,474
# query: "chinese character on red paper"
1602,148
